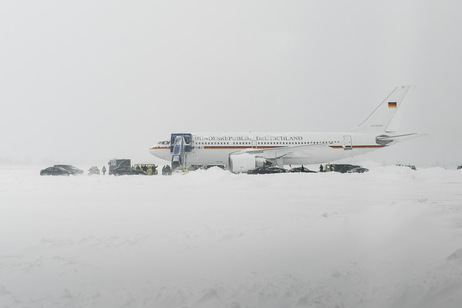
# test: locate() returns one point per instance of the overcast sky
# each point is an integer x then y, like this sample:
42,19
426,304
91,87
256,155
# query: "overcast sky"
87,81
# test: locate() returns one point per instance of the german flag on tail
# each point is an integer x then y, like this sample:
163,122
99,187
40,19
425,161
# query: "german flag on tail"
392,104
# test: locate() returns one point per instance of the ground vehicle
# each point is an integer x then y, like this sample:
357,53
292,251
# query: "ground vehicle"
407,165
301,169
55,171
459,167
122,167
358,170
266,170
118,165
345,168
93,170
71,169
149,169
61,170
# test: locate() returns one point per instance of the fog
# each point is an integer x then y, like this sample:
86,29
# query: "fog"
86,81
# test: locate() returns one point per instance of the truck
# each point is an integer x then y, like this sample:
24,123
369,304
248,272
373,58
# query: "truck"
122,167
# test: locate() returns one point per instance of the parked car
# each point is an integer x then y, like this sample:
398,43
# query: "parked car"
459,167
358,170
71,169
55,171
344,168
266,170
301,169
407,165
94,171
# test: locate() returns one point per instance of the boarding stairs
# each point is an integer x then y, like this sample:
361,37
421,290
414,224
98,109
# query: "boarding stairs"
180,145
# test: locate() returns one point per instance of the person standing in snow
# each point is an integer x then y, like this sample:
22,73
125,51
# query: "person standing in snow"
104,170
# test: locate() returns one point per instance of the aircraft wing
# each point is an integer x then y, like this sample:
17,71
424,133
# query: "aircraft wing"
286,151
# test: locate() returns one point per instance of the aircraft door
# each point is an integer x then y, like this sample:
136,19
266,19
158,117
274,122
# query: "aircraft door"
254,144
347,143
187,138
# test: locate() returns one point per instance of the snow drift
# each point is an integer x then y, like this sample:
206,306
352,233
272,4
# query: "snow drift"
391,237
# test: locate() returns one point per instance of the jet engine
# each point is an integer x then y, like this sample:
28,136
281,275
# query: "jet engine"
245,162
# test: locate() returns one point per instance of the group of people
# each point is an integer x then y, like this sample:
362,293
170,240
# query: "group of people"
149,169
166,170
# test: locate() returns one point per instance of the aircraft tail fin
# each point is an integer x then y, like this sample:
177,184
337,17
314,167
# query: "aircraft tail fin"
388,116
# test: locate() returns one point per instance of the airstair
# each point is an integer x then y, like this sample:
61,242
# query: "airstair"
180,145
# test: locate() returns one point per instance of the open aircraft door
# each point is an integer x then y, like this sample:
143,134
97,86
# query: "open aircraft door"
347,143
187,141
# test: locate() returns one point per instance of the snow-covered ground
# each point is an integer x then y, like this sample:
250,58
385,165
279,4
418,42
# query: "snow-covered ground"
391,237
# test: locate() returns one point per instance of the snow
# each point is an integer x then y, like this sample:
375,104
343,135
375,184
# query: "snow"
391,237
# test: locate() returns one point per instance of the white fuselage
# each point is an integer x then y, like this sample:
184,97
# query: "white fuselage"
297,148
244,151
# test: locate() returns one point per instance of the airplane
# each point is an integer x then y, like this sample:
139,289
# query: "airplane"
241,152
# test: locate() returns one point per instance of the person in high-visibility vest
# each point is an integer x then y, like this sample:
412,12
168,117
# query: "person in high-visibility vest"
104,170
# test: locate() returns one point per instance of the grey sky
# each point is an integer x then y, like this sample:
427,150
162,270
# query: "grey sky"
86,81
